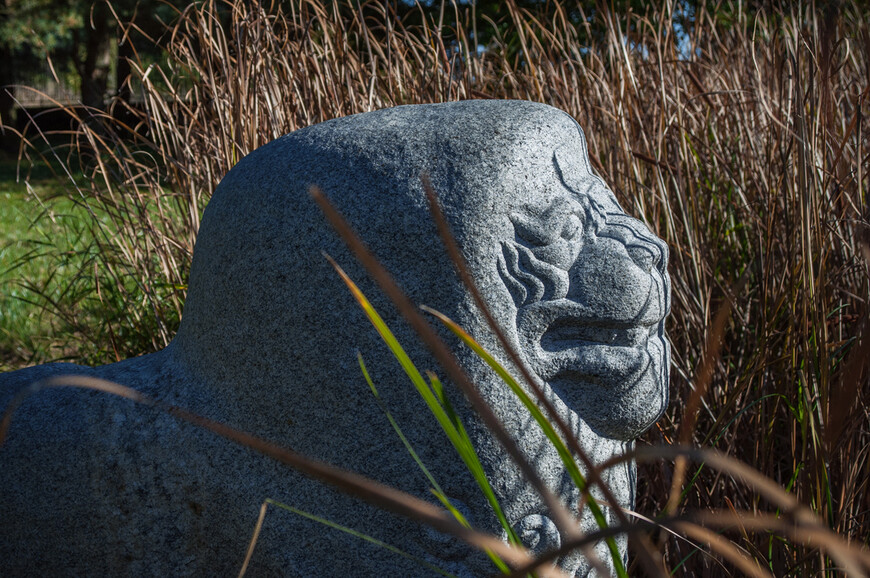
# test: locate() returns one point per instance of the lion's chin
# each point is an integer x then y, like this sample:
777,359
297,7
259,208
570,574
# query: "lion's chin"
614,377
620,393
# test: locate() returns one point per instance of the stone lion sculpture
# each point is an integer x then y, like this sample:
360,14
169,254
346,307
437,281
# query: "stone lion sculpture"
92,484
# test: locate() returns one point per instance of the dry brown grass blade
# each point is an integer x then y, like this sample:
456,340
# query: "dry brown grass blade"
756,121
697,524
593,474
67,381
851,378
254,537
801,520
345,481
684,524
724,547
702,384
679,535
761,484
852,560
563,519
582,542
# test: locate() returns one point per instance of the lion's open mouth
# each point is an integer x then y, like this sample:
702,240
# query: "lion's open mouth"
567,342
609,365
569,333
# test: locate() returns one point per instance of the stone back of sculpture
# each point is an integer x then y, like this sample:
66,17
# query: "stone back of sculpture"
270,335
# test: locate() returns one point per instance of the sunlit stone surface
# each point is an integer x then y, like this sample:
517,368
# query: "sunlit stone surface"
92,484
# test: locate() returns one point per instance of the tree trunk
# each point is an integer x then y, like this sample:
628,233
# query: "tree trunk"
8,139
95,68
121,108
122,71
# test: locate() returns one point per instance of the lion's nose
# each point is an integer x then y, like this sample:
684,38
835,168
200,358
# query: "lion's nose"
621,273
645,249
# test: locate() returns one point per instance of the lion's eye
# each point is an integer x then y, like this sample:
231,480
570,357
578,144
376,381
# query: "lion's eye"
560,221
642,256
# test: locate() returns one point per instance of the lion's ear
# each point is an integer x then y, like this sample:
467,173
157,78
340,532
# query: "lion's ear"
571,160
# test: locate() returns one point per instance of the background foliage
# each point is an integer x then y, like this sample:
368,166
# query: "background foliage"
736,130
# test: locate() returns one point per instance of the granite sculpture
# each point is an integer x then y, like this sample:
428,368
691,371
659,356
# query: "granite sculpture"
92,484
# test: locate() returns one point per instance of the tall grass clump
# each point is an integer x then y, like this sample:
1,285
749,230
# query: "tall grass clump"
737,134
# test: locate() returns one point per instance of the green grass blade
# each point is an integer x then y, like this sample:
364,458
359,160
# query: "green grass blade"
458,437
436,487
469,456
360,535
445,501
399,353
567,458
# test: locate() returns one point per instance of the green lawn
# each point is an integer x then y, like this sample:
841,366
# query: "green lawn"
39,227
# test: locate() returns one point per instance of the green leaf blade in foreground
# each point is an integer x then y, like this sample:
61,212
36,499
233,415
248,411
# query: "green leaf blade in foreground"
436,488
458,438
360,535
473,462
545,425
